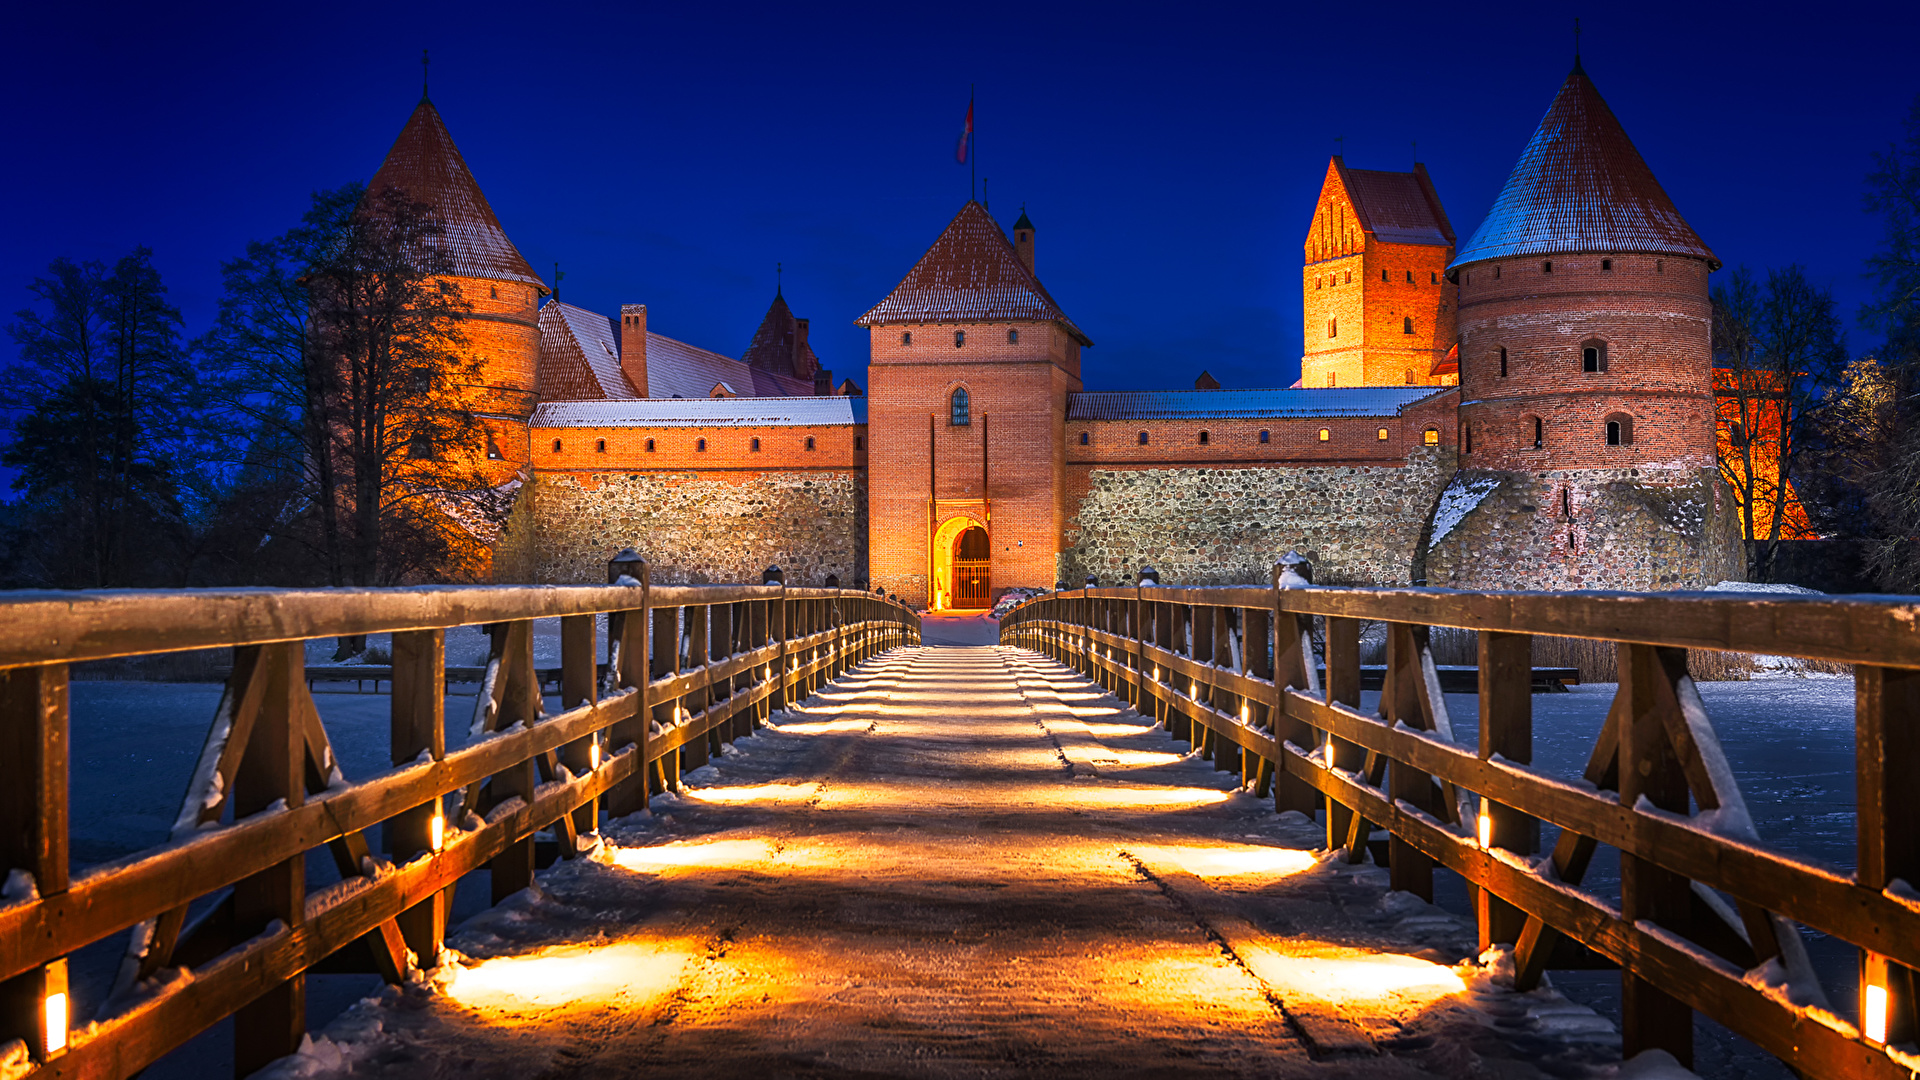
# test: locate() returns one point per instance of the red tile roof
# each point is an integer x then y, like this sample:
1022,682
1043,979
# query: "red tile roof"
777,346
580,355
970,274
1580,186
1397,207
426,165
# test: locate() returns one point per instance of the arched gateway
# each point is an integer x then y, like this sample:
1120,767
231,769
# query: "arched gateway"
972,579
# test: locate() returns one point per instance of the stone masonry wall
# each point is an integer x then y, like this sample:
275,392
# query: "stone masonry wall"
694,529
1633,529
1359,524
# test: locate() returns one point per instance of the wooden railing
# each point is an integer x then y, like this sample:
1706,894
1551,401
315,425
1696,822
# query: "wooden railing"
689,667
1709,915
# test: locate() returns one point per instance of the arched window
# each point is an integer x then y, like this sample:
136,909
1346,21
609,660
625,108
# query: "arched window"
1409,277
959,338
809,442
906,337
1084,439
1143,438
959,412
1383,434
1319,282
1325,434
1203,438
700,446
493,449
649,446
599,446
556,446
1332,378
1409,376
1431,436
1406,325
1264,436
1593,355
1333,328
1466,435
1013,337
753,445
1533,433
1503,363
859,442
1619,429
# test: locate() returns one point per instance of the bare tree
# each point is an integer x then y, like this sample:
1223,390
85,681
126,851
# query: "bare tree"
1892,492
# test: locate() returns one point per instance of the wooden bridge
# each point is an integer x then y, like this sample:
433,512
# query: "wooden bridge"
1709,917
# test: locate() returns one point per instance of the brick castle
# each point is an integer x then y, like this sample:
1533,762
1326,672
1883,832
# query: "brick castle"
1533,409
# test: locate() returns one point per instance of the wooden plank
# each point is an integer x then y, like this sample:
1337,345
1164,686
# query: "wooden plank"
1652,1018
1343,687
1887,745
418,726
519,689
272,772
33,825
1506,729
578,687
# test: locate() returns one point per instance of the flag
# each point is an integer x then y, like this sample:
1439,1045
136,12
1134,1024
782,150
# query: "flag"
966,136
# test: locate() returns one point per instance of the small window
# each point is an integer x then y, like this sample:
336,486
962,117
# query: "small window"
493,449
1349,277
1606,265
1325,434
959,338
1659,266
753,445
1383,434
1433,277
700,446
1409,376
1265,436
959,411
1539,433
1406,325
1332,378
649,446
556,446
1546,266
1431,436
1084,439
1013,337
1333,328
906,337
1319,282
1203,438
1383,276
859,442
493,291
1496,272
1466,436
1143,438
1469,277
1409,277
1619,430
1503,363
809,442
1593,356
599,446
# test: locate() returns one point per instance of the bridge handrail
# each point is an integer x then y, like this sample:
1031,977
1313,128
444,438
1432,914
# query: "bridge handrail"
689,667
1237,671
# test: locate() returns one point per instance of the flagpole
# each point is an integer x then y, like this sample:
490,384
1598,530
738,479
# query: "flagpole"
973,156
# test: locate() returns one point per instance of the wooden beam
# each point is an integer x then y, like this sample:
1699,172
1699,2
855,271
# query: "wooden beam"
1506,729
272,773
1887,744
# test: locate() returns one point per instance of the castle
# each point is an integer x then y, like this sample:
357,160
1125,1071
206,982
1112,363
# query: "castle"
1532,409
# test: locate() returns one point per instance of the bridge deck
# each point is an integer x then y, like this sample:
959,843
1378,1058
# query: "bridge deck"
963,862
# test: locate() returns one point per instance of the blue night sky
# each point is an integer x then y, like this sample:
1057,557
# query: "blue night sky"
1169,154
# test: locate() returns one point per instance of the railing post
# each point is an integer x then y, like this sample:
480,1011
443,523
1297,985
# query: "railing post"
1506,729
418,722
664,659
1344,827
627,656
1651,1018
1409,868
773,576
271,770
1294,663
577,687
1887,745
35,1007
512,869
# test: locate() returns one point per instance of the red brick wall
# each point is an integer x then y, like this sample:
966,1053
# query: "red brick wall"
503,332
1020,389
728,449
1654,316
1372,347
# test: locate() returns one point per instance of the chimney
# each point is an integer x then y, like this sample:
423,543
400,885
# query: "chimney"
1023,240
802,367
633,345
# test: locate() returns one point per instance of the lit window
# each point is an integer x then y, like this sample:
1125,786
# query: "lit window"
1349,277
959,338
809,442
1264,436
1325,434
493,449
959,414
599,446
1431,437
1143,438
556,446
1203,438
1383,434
1406,325
1319,282
1332,378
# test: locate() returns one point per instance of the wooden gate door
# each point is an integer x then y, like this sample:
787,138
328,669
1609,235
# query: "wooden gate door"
972,585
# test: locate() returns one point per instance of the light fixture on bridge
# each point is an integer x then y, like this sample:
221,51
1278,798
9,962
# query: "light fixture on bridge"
54,1010
1486,825
437,829
593,754
1874,1013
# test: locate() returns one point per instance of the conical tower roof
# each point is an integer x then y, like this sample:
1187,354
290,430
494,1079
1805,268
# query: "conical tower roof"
970,274
1580,186
426,165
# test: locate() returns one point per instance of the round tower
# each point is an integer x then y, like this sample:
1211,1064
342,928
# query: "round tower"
1586,377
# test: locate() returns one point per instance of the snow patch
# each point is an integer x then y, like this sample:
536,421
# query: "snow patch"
1655,1065
13,1060
1457,501
19,887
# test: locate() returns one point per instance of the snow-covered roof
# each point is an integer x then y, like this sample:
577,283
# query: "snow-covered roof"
579,355
677,369
970,274
426,165
703,412
1247,404
1580,186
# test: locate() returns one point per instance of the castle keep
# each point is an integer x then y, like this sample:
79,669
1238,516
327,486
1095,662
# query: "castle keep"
1534,409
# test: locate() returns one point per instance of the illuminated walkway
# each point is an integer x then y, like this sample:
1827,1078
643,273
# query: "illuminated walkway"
962,862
